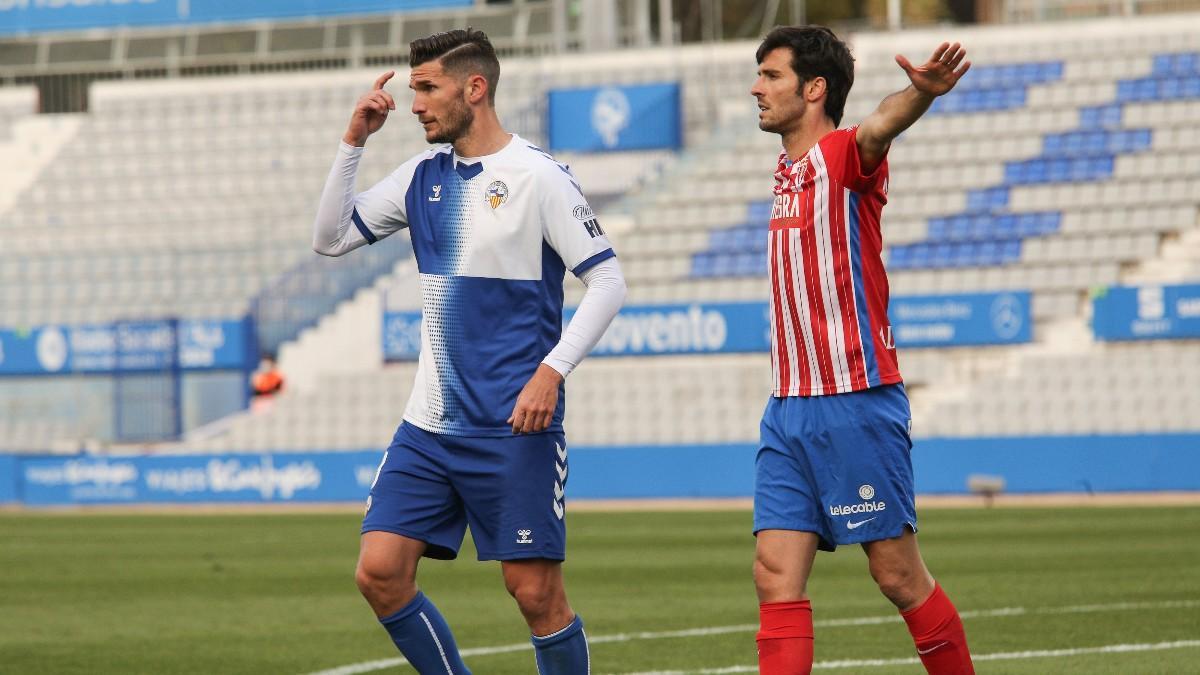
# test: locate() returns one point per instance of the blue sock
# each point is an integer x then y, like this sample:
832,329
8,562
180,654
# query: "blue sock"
564,652
422,635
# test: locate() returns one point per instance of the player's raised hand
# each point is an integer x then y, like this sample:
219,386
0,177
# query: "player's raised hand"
940,73
370,112
537,402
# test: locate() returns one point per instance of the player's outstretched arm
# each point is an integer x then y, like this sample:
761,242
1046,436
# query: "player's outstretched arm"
899,111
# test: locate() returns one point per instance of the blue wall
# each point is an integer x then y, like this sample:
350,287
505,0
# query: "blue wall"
1062,463
1029,465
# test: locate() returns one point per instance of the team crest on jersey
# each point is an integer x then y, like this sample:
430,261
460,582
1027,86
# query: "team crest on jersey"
496,194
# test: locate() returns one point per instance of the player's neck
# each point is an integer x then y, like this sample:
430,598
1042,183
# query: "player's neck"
485,137
797,142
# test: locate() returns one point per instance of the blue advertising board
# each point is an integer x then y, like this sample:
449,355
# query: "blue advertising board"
686,329
39,16
1147,312
716,328
603,119
961,320
300,477
1028,464
8,478
194,344
639,330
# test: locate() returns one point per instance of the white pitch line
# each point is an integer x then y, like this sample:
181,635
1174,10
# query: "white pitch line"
999,656
381,664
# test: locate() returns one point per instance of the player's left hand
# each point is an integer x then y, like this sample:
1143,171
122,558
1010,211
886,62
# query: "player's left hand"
537,402
940,73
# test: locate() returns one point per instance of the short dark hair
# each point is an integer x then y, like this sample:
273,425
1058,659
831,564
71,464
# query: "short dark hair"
462,52
816,52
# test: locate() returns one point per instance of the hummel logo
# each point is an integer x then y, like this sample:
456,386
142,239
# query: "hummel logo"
437,194
860,523
923,652
523,536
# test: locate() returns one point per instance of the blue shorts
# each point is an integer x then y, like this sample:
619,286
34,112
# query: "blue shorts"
509,489
838,466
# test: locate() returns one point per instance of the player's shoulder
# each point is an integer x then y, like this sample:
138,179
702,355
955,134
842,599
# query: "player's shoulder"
434,158
839,143
540,161
433,152
841,137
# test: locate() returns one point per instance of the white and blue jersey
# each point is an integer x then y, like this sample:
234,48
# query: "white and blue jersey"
493,238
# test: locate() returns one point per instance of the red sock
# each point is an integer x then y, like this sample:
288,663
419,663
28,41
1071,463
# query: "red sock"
938,633
785,638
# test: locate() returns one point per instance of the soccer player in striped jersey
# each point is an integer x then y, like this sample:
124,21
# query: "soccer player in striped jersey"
833,466
495,223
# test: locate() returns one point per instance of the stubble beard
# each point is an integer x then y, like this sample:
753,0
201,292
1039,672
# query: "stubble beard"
454,124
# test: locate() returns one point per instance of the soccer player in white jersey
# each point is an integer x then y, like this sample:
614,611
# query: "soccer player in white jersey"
495,223
833,466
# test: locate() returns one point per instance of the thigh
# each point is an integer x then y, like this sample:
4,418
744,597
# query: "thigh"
863,465
412,495
514,491
786,496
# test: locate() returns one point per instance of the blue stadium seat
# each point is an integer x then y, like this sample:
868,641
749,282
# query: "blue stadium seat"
1010,251
939,228
1005,226
919,255
1049,222
960,228
758,211
1105,116
941,255
988,254
719,239
1050,72
702,265
722,265
749,264
1027,225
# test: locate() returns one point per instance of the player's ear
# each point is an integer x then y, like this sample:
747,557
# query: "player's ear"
814,89
476,89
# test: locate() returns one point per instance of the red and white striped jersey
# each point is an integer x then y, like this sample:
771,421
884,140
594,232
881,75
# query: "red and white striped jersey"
830,332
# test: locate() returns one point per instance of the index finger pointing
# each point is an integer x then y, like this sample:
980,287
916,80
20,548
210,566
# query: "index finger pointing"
383,79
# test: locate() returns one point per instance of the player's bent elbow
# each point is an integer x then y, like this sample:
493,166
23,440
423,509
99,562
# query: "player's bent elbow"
327,250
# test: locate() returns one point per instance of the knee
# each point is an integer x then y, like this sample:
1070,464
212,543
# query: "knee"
536,597
900,583
775,582
377,582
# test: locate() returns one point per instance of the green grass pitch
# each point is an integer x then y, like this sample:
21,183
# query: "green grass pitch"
274,593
